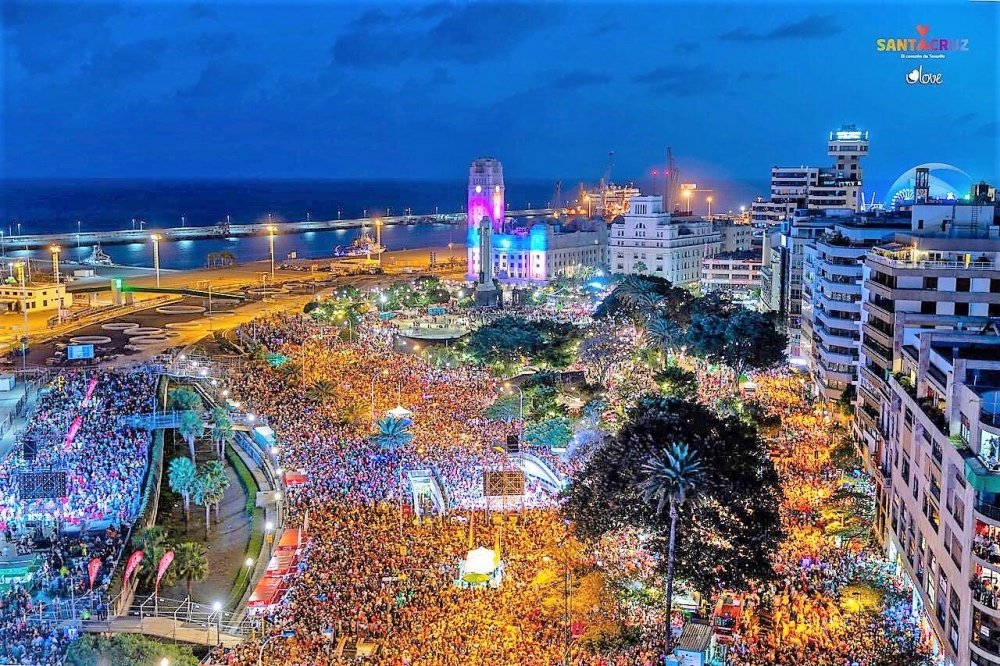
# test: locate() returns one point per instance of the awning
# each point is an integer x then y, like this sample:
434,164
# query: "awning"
983,480
290,540
295,478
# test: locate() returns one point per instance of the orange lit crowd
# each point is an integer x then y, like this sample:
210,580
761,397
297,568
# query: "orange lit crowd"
371,576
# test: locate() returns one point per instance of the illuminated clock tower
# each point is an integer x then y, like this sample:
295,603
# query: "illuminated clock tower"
486,199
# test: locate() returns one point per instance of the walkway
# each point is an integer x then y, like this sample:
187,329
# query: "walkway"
165,627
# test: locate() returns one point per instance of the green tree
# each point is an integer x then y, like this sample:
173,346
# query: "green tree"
733,529
183,398
678,382
208,491
146,538
216,472
191,562
552,433
222,430
321,391
505,344
181,475
191,427
671,476
505,408
152,554
393,433
126,650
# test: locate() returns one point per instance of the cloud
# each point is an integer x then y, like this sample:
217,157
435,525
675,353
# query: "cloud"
224,77
990,129
441,77
114,66
815,26
41,34
441,32
605,28
202,10
683,81
579,78
215,43
687,47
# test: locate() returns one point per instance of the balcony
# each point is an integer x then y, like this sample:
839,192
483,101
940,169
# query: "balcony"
988,510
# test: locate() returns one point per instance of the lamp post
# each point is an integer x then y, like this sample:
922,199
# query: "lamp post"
78,233
156,257
589,212
269,537
378,239
507,385
3,248
270,241
709,200
55,250
385,373
260,653
24,309
217,607
687,201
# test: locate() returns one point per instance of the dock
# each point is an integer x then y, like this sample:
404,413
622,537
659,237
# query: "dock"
126,236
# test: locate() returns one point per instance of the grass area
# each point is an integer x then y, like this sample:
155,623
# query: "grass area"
255,546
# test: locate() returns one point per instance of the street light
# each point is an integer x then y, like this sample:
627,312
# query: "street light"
55,249
587,197
156,256
507,385
217,607
687,200
24,309
378,239
270,240
709,200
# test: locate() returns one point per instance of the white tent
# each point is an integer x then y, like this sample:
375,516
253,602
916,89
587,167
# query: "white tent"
400,412
480,561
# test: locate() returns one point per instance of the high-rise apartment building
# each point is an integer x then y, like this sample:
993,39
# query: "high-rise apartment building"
816,188
928,416
831,298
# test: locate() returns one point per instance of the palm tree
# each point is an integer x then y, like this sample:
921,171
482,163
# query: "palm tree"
393,432
207,491
147,538
222,430
181,475
191,563
321,391
214,471
637,293
670,478
183,398
191,427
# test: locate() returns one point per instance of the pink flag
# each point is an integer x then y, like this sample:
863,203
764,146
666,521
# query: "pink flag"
93,569
165,561
73,427
90,389
133,562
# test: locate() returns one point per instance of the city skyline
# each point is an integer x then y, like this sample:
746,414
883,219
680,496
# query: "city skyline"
413,91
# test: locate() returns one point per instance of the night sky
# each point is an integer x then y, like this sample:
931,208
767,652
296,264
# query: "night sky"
348,90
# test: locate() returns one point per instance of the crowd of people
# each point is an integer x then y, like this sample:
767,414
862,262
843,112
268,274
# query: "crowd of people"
78,427
828,603
372,572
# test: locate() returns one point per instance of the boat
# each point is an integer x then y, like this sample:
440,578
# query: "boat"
363,246
98,258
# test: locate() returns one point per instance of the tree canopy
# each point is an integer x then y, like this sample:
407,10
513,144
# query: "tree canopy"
726,538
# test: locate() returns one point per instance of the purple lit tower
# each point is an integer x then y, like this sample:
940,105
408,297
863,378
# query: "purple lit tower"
486,199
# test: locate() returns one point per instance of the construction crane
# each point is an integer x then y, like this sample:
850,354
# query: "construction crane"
557,197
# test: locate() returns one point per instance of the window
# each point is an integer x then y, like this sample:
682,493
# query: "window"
963,284
930,283
962,309
928,307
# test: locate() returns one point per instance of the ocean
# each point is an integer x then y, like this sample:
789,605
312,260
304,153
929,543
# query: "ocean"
49,206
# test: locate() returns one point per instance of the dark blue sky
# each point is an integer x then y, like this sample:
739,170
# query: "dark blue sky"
346,90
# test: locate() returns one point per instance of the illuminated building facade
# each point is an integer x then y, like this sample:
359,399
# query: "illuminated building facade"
525,253
815,188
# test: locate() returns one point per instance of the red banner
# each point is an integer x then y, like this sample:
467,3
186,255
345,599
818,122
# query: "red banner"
133,562
165,561
93,569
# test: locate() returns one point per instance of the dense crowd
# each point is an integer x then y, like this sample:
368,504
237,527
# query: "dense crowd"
809,615
79,426
368,574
